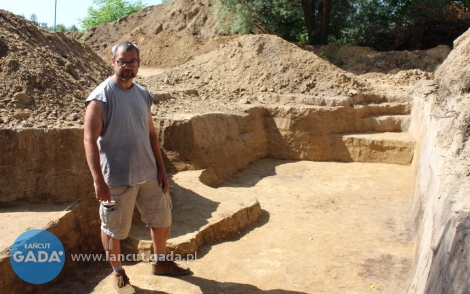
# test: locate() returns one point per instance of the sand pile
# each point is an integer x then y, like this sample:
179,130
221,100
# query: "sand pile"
45,75
174,33
360,60
453,94
454,74
168,35
254,69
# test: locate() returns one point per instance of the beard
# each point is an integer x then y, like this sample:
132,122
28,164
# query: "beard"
126,75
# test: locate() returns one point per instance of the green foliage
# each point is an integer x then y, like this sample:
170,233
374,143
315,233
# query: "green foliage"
72,28
340,18
284,18
108,11
61,28
381,24
281,17
34,19
303,37
425,23
371,18
234,16
402,24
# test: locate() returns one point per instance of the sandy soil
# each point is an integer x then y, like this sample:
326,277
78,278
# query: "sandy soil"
47,76
145,72
319,233
326,227
27,217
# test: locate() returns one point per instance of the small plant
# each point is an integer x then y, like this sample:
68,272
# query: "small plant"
436,65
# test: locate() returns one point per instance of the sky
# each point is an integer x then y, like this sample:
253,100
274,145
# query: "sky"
68,11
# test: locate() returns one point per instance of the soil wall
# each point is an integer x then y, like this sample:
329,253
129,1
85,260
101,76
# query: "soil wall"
222,144
441,207
327,133
48,166
39,165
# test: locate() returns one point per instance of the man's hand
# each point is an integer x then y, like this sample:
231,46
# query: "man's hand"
163,181
102,191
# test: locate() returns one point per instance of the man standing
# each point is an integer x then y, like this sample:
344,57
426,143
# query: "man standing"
123,154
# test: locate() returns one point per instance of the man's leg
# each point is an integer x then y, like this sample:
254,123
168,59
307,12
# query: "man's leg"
155,208
159,237
162,266
113,250
112,247
116,221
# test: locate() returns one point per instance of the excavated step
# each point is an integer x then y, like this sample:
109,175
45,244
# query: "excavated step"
18,219
334,101
388,108
387,123
388,147
201,214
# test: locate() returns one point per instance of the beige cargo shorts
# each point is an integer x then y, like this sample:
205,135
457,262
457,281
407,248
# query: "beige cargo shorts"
154,207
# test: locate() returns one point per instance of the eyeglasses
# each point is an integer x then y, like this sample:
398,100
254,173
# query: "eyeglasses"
132,63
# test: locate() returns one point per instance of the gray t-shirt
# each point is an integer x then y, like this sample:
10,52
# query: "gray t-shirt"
126,155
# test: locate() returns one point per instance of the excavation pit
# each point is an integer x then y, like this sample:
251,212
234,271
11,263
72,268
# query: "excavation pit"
348,221
270,113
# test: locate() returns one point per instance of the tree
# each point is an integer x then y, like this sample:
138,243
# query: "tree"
325,25
381,24
406,24
234,16
61,28
34,19
291,20
280,17
108,11
72,28
308,6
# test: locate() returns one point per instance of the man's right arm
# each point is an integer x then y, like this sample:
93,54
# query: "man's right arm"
92,130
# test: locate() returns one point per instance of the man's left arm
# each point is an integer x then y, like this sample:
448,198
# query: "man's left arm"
162,177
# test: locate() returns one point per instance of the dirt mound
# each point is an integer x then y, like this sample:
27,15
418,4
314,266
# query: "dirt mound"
260,69
45,75
174,33
168,34
360,60
207,72
168,48
452,89
268,63
454,74
259,63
